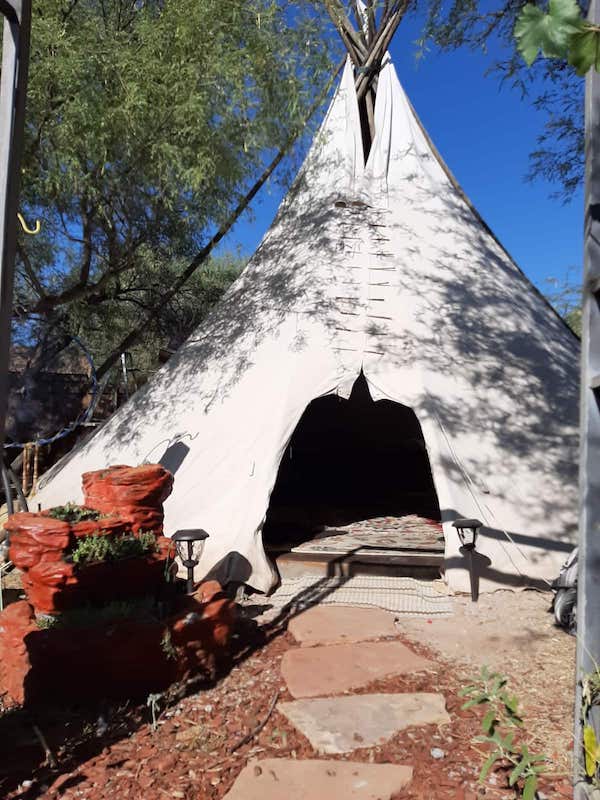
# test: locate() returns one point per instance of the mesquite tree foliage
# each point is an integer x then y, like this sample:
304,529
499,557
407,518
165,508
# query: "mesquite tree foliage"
558,156
147,120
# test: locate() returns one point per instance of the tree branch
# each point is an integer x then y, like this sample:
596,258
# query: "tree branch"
29,271
79,291
86,260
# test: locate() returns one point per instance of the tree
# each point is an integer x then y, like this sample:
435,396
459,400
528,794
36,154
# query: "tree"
559,155
565,296
147,122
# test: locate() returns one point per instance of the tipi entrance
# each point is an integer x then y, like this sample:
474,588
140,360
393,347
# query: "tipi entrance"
355,483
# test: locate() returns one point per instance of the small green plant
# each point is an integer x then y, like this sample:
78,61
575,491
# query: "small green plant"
90,549
74,513
502,715
140,609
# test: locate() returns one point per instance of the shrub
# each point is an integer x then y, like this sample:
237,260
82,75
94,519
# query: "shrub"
74,513
107,548
142,609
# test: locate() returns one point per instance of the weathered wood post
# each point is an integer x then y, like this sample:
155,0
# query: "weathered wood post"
13,89
588,601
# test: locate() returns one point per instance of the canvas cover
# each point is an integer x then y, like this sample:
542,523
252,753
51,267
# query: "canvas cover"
385,268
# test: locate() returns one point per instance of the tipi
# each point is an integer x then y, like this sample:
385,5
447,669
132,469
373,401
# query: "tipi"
377,266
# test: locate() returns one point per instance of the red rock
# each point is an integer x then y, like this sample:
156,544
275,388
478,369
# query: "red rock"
311,779
136,493
321,625
16,622
62,663
314,671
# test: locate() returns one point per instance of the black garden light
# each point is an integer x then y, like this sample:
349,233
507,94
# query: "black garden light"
189,545
467,533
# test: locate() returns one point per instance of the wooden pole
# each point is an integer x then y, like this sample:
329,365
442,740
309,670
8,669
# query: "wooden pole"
371,22
349,36
378,51
359,23
36,467
26,471
370,112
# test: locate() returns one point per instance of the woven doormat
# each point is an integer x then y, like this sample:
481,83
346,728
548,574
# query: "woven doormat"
407,596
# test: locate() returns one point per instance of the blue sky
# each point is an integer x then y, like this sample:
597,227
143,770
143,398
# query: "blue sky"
485,134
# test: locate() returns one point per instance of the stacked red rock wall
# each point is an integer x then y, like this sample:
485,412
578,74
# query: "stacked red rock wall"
39,543
135,493
123,658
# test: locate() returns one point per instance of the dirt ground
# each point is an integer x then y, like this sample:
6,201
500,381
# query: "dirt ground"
201,741
514,634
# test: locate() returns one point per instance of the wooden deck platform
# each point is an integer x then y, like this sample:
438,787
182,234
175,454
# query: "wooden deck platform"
380,545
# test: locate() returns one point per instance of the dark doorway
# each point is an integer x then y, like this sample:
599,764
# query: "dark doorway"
349,461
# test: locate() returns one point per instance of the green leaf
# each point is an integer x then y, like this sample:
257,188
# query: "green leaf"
488,721
529,32
529,788
475,701
540,757
517,772
567,11
584,50
507,743
488,764
551,33
511,704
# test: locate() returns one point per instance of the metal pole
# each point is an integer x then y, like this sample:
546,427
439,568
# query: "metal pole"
588,599
13,89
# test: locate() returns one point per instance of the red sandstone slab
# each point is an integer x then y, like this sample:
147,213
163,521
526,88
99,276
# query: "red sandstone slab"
315,671
343,724
291,779
341,624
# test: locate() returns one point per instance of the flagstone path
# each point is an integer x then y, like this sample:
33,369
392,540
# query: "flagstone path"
334,669
335,658
341,625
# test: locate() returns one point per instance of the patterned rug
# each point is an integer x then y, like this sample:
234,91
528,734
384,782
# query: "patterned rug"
379,533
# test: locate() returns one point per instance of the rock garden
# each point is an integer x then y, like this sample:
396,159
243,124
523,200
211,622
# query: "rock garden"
104,615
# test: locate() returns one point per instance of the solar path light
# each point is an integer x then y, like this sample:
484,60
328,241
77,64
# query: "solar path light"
467,533
189,545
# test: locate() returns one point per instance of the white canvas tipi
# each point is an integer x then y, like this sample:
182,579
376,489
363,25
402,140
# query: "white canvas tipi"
383,268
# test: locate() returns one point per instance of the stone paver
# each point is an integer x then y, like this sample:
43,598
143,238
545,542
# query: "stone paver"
341,624
289,779
342,724
314,671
